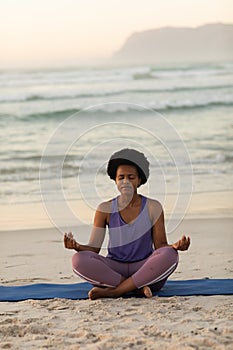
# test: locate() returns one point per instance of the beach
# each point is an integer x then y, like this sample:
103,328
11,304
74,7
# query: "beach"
200,322
58,128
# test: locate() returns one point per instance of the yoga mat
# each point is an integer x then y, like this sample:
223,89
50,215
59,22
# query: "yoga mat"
80,290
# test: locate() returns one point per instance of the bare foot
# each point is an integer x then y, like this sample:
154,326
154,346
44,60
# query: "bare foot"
146,291
97,292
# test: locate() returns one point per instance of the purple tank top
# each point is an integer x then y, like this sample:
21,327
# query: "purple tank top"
130,242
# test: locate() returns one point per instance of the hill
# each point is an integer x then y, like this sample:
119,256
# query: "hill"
210,42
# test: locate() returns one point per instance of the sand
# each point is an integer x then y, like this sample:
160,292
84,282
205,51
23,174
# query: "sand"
158,323
197,322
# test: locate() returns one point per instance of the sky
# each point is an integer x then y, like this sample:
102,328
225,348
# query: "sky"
70,32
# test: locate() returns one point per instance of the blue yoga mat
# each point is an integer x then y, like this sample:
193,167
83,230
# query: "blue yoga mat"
80,290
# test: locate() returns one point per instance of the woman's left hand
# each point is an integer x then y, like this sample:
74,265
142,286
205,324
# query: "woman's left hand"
182,244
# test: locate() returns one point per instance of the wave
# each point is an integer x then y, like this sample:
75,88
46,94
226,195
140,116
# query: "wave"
92,76
50,115
119,108
71,169
219,158
185,71
38,97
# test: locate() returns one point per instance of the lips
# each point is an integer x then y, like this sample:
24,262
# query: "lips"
128,188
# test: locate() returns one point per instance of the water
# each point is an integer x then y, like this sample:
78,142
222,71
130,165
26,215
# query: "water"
196,100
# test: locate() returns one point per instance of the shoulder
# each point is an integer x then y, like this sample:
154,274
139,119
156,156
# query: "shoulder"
102,214
155,208
105,207
154,203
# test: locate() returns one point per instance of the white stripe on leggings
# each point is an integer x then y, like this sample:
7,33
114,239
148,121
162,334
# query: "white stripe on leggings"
161,277
92,281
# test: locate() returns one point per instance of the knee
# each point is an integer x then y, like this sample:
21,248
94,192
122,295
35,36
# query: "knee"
169,253
172,253
81,259
173,256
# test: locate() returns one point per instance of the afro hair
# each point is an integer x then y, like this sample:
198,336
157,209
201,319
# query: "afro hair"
132,157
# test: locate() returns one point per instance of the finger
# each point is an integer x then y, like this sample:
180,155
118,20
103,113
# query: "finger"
73,242
65,241
187,241
186,245
182,240
179,244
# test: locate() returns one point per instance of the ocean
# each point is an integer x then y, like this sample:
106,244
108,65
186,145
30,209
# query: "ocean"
58,127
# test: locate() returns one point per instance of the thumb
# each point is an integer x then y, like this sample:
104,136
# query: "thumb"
175,245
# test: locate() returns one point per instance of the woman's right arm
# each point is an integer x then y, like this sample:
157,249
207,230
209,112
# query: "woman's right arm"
97,234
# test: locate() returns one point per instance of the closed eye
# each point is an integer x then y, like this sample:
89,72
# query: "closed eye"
130,177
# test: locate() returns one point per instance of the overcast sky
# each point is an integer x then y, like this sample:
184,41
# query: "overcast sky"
61,32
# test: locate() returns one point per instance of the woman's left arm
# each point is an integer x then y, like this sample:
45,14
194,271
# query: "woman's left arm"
158,229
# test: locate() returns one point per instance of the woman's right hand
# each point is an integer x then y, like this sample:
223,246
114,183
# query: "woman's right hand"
70,242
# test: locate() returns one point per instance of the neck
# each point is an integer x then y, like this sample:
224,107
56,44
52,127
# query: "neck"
128,201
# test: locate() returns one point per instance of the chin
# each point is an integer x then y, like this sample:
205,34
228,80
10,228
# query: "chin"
127,191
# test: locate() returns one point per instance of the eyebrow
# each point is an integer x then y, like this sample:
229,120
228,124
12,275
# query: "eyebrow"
122,174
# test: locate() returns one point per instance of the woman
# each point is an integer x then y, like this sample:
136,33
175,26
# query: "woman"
139,257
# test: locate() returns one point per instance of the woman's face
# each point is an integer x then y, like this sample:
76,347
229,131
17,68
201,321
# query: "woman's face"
127,179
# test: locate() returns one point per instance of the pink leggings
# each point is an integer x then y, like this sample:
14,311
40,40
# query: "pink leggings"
103,271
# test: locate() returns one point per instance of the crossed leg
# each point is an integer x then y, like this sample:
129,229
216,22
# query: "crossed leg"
120,278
